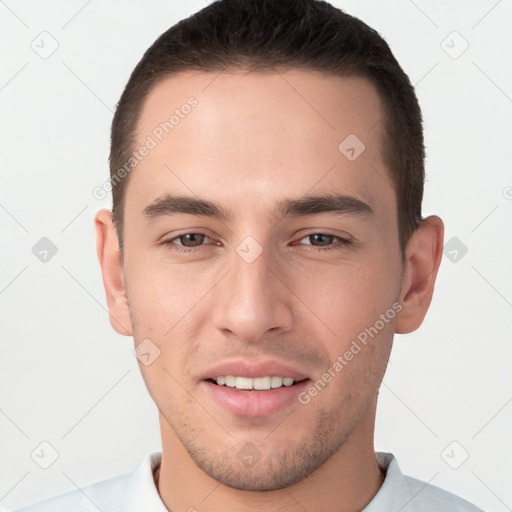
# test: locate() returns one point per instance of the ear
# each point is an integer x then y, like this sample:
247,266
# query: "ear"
423,257
107,247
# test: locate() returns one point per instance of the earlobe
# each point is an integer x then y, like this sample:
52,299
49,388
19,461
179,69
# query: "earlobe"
423,258
109,256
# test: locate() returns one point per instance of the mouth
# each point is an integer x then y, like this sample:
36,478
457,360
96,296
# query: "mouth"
257,388
254,384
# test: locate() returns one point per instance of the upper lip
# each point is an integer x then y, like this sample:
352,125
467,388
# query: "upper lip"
244,368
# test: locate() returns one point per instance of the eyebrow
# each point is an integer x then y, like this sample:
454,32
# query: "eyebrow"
338,204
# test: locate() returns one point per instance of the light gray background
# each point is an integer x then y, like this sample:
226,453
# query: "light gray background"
68,379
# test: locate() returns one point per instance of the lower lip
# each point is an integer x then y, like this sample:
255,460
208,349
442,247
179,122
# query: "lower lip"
254,403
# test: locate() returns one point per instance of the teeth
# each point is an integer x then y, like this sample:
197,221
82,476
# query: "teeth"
258,383
261,383
243,383
276,382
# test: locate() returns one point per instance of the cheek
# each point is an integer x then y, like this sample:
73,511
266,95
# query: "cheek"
349,297
350,305
166,301
161,291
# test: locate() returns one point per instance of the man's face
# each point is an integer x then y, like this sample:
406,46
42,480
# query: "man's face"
257,293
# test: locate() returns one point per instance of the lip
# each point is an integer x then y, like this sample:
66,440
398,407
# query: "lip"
242,368
254,403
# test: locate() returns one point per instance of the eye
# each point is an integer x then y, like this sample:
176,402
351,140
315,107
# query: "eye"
194,239
325,239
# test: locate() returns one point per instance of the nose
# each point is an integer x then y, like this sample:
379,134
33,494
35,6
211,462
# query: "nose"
254,297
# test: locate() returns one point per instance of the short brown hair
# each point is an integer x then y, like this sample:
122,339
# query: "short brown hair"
271,35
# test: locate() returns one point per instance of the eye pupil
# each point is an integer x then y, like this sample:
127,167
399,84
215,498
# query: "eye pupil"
195,238
322,235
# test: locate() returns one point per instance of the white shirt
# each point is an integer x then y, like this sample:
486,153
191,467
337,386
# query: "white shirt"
137,492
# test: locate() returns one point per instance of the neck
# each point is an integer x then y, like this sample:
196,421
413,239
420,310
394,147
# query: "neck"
347,482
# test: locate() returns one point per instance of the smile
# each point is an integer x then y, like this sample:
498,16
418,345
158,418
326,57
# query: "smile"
257,383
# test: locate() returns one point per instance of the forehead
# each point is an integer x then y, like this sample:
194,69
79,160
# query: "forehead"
260,136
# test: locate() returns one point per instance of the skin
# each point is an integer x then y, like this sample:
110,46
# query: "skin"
251,141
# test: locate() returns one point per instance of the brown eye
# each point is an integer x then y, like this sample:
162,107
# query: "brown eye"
187,242
191,239
322,238
325,241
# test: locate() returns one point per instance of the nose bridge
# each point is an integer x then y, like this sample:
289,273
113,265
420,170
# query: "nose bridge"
252,297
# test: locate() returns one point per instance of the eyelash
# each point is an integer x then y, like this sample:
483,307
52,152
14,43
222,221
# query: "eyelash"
179,248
